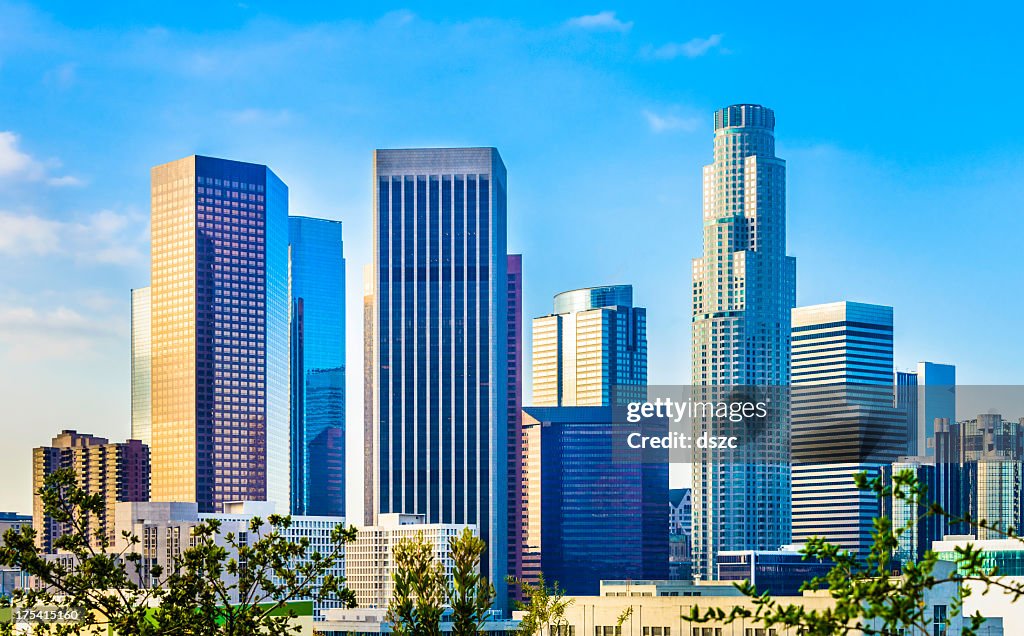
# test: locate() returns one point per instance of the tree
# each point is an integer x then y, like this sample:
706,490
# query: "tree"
470,595
868,598
417,600
219,585
544,608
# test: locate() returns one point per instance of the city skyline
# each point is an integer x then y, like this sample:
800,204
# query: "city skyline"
47,214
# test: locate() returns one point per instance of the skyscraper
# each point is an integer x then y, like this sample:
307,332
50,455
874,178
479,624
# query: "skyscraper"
906,402
317,366
440,371
592,346
115,472
219,290
370,476
142,366
514,413
594,509
844,421
936,399
744,287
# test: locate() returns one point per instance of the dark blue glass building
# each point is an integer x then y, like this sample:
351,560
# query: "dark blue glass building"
439,352
594,509
318,366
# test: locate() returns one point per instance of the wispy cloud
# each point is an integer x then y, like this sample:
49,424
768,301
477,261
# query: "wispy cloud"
660,123
691,49
30,334
18,165
105,237
603,21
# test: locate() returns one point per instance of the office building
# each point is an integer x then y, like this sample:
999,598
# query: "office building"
592,346
369,452
844,421
116,472
906,402
142,362
744,286
936,399
778,572
680,522
440,370
917,529
317,366
593,506
514,411
219,298
369,560
164,530
369,621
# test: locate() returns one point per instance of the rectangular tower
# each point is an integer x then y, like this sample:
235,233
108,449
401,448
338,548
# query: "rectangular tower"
142,367
744,287
514,408
219,291
936,399
440,371
317,366
844,421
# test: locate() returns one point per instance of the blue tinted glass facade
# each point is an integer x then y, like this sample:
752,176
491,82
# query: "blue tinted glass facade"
600,512
318,366
439,342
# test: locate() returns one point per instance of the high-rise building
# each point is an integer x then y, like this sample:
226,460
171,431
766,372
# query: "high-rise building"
142,366
906,402
592,507
514,412
440,371
917,529
936,399
219,292
744,287
317,366
591,350
116,472
369,452
844,421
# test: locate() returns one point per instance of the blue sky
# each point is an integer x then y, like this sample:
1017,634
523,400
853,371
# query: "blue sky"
901,128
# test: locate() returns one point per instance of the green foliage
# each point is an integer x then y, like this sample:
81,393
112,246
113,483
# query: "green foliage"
471,595
417,600
868,597
219,585
544,607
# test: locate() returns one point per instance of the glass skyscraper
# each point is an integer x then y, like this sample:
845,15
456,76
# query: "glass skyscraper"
440,371
594,508
219,292
844,421
142,364
591,350
317,366
744,287
514,412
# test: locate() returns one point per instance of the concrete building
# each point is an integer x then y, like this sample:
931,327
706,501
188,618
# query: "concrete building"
219,333
142,367
744,286
116,471
369,560
370,622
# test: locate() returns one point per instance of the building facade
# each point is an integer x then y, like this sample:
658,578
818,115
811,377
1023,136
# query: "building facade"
906,402
219,296
440,369
592,508
514,411
369,560
317,366
844,421
591,350
142,366
936,399
744,286
116,472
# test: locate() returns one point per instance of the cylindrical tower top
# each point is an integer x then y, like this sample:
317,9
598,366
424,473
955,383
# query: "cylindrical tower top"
745,116
594,297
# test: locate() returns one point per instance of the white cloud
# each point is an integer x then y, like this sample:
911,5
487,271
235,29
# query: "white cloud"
670,123
29,334
103,237
603,21
691,49
17,165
